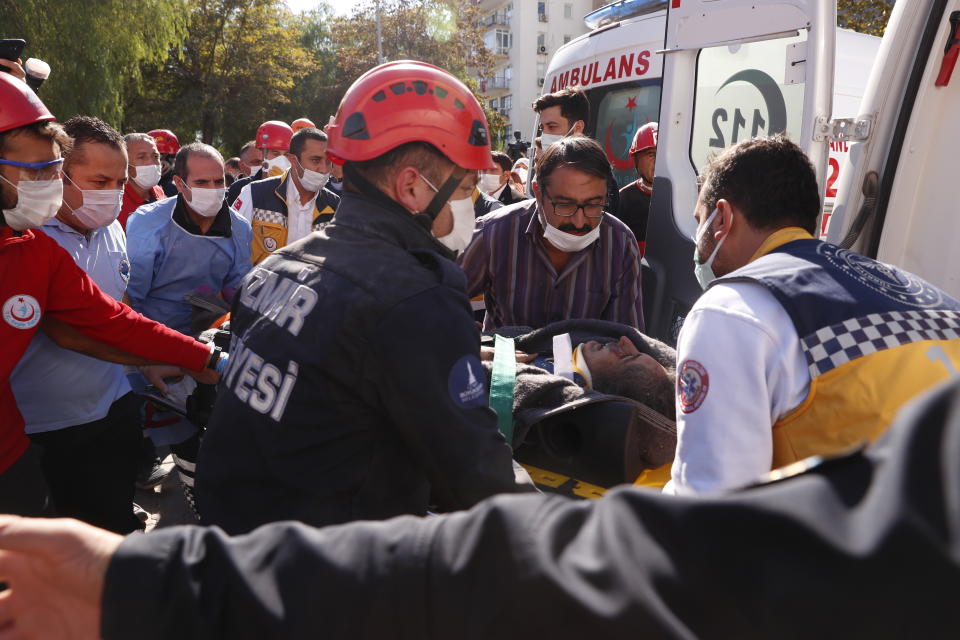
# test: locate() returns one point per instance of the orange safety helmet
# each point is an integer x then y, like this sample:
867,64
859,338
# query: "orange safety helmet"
645,138
19,105
167,142
409,101
302,123
274,134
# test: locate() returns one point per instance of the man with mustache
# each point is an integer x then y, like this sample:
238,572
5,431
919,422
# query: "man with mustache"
560,256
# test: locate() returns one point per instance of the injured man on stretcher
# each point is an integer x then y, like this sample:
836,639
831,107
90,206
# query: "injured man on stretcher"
604,385
606,357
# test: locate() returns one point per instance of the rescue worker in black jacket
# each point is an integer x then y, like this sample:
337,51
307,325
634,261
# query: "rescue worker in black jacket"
355,389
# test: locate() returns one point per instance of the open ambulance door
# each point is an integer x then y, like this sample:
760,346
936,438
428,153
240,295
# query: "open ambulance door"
732,70
897,199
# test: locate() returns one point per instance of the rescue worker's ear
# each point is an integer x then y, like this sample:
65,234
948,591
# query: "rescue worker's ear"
578,127
723,223
295,162
536,189
178,182
406,187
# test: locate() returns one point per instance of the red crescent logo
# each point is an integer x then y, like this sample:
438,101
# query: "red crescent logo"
615,160
28,318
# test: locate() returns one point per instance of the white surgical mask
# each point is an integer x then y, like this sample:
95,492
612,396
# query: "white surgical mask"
37,202
547,139
568,242
100,206
464,223
522,173
314,180
147,176
489,182
276,166
206,202
704,270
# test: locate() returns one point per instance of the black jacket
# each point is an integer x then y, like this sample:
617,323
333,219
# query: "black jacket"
863,546
234,190
354,387
510,195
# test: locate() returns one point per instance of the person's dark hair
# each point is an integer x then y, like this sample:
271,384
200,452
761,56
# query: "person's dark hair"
503,160
573,103
423,155
770,180
299,139
232,163
579,152
45,129
88,130
194,148
634,382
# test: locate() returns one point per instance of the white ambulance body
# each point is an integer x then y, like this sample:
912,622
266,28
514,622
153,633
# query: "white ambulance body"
620,67
732,68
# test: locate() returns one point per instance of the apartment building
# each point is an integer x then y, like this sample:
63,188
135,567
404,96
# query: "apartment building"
523,34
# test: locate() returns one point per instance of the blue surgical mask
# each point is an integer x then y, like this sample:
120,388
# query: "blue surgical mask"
704,270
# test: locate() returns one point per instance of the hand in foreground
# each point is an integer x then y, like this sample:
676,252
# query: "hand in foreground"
487,353
54,570
157,374
15,68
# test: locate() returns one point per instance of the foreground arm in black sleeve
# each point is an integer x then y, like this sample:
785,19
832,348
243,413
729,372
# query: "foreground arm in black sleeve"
863,546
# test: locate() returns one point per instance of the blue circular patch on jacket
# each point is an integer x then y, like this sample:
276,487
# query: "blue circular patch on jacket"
124,268
467,383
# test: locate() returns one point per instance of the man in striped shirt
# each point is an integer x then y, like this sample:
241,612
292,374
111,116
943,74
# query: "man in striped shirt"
559,256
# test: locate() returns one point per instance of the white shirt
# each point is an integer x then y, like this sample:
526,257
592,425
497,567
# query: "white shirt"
57,388
740,369
299,216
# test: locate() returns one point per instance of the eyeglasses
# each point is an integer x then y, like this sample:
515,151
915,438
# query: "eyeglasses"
569,209
49,170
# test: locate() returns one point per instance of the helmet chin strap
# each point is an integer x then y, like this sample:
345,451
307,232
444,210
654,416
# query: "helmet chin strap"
444,193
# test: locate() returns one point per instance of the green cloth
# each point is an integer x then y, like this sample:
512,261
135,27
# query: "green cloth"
502,383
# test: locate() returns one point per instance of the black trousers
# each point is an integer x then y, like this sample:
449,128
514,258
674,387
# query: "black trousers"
91,468
23,490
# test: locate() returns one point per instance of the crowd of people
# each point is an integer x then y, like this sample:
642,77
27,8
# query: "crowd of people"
340,262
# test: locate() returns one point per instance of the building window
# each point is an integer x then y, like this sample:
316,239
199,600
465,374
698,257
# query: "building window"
541,40
504,41
568,11
542,11
567,39
494,104
506,103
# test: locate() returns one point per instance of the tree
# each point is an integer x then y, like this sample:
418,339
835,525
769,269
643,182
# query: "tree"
865,16
95,50
236,68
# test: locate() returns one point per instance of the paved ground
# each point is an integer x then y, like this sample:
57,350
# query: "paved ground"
165,503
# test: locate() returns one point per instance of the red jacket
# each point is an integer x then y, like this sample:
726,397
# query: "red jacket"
132,201
38,277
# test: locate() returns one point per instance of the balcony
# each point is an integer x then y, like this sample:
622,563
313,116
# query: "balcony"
494,84
542,17
496,20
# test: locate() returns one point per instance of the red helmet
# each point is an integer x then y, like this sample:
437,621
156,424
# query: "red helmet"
166,140
302,123
19,105
274,134
408,101
645,138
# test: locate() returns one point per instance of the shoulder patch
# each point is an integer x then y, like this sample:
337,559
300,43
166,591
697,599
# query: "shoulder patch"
466,383
693,383
22,311
237,204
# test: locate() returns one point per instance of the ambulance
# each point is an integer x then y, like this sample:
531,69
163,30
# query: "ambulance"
713,72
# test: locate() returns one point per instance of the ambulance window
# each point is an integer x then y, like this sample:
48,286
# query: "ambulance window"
620,110
747,90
